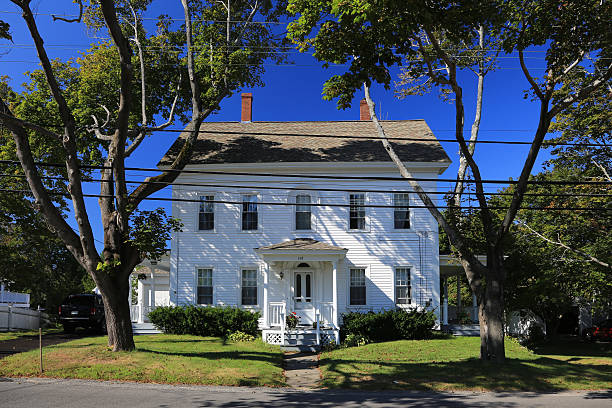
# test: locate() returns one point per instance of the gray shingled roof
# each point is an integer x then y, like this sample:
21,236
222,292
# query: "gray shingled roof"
303,244
265,142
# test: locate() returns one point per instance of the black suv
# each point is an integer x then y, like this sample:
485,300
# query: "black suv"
84,310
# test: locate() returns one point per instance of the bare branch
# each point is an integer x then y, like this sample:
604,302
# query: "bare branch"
534,86
569,68
603,169
562,245
71,20
28,125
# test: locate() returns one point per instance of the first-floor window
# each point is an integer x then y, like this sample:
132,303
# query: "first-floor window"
402,286
205,286
249,287
357,286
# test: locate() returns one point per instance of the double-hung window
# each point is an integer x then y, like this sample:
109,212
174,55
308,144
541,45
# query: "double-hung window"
303,212
205,286
249,287
357,294
206,221
249,212
357,215
401,211
402,286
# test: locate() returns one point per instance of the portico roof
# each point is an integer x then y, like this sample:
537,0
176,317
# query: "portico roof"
304,244
302,248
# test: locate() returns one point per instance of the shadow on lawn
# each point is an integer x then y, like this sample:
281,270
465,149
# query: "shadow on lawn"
467,374
575,346
246,356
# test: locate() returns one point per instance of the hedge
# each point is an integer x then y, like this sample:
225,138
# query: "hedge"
204,321
388,325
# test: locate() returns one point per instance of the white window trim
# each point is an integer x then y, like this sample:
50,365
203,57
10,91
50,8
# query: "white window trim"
410,212
258,269
314,199
200,194
259,212
356,308
366,209
410,273
195,285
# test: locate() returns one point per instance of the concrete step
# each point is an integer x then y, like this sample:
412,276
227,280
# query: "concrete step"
144,328
302,348
464,329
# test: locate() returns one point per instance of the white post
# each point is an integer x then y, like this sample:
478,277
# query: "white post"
459,305
266,316
152,301
140,302
335,297
474,308
317,318
283,322
445,304
2,293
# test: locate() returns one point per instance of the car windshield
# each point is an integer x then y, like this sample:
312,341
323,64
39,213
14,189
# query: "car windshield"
79,300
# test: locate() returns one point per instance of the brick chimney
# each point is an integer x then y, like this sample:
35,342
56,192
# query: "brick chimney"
364,110
246,114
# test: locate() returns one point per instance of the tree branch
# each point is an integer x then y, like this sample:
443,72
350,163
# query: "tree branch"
71,20
32,126
562,245
530,79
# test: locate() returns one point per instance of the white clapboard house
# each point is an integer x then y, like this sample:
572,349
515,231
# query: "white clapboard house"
350,240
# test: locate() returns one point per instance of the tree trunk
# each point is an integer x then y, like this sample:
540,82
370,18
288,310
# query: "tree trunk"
491,313
118,319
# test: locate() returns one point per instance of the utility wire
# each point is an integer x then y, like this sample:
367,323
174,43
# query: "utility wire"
354,190
276,203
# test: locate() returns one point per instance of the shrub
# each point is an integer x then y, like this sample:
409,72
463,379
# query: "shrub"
239,336
355,340
395,324
533,338
204,321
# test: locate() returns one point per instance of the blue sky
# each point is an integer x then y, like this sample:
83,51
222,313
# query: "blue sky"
294,93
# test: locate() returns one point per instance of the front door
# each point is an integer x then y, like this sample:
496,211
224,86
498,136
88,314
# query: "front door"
303,292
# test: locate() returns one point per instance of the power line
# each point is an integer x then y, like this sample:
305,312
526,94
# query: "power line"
276,203
360,190
320,176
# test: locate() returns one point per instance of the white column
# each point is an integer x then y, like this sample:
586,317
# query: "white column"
140,301
474,308
152,301
445,304
266,273
335,293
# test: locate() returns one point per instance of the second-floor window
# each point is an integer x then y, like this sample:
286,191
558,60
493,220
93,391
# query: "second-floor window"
249,212
401,211
249,287
207,213
303,212
205,286
357,295
357,216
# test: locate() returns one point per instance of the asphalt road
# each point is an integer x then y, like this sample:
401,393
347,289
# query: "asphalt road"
30,393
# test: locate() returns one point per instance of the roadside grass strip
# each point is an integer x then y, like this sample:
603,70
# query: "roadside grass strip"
453,364
159,358
27,333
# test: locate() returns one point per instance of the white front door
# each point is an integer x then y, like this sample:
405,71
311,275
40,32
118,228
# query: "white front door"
303,296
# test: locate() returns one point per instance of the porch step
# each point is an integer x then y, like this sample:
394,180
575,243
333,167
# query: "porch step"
302,349
464,329
144,328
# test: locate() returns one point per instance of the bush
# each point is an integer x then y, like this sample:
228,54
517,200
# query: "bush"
389,325
239,336
533,338
355,340
204,321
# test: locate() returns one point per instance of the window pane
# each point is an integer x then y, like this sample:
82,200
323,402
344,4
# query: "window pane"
308,287
249,212
302,212
402,286
249,287
357,286
401,216
357,211
298,287
205,287
207,213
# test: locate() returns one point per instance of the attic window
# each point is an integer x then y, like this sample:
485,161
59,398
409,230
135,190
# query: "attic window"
303,265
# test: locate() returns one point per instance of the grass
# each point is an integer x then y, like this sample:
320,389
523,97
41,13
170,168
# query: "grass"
24,333
158,359
453,364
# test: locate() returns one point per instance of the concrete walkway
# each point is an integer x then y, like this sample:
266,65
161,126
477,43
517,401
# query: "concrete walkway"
302,370
41,392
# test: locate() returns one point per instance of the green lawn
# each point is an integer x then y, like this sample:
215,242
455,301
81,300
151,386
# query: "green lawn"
16,334
158,358
453,364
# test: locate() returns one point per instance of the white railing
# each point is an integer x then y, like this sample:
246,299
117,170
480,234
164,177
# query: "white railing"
277,314
15,298
327,313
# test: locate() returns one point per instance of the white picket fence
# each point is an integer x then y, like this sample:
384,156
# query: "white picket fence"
19,318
